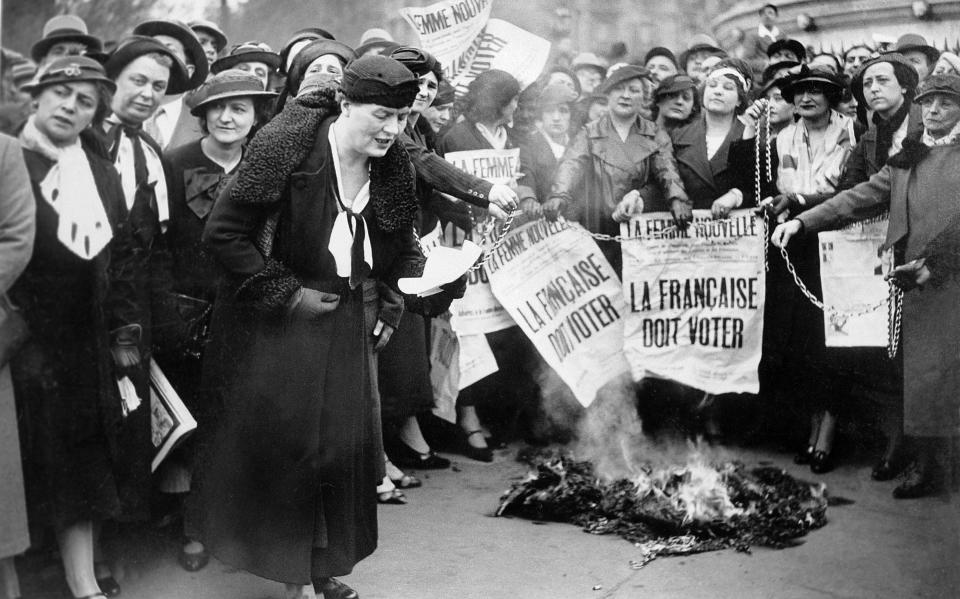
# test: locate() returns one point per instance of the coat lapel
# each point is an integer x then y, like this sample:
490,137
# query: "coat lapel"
690,148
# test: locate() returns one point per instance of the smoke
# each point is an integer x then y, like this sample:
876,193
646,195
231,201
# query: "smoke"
611,436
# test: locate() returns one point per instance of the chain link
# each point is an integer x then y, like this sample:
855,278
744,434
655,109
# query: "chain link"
487,254
894,311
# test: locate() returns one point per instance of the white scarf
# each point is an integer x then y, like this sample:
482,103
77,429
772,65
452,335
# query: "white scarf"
155,176
805,169
496,138
70,189
947,140
341,237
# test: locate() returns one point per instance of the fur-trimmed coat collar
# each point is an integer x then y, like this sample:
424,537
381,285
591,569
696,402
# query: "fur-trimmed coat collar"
281,146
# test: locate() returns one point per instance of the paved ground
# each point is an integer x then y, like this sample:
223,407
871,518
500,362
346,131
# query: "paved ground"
446,544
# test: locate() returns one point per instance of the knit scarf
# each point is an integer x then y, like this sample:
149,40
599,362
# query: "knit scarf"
885,130
279,148
70,189
947,140
808,170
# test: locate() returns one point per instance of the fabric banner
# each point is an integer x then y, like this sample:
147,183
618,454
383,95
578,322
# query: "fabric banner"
695,300
557,285
478,311
852,267
467,42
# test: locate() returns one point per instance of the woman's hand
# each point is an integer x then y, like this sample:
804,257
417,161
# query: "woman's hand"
751,117
552,209
784,232
631,205
724,204
504,198
531,208
682,213
382,333
124,349
781,204
910,275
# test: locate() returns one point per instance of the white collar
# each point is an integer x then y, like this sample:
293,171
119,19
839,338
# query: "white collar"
771,33
346,224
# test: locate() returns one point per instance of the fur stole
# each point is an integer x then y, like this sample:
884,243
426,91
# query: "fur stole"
283,144
912,152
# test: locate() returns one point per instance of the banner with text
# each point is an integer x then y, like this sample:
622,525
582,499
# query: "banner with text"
852,267
467,42
566,297
478,311
695,300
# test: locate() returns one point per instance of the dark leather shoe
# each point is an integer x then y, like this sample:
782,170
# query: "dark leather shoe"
331,588
821,462
804,457
884,470
109,586
405,456
481,454
193,561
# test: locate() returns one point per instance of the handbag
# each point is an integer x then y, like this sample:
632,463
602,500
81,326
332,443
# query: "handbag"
14,331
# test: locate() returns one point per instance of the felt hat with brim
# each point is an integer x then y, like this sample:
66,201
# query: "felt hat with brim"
219,37
950,59
181,32
297,42
789,45
624,73
807,77
674,84
589,60
702,42
232,83
381,80
948,85
770,73
64,28
375,34
69,69
660,51
912,42
247,52
903,69
135,46
22,72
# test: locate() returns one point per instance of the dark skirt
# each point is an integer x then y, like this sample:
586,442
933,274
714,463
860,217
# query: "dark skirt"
285,481
404,368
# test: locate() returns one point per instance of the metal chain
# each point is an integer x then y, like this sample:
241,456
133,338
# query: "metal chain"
487,254
757,183
894,311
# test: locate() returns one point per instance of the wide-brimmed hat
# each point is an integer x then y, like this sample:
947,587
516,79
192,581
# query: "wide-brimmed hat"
219,37
252,51
621,74
232,83
790,45
673,84
64,28
939,84
905,72
135,46
181,32
297,42
807,77
69,69
914,42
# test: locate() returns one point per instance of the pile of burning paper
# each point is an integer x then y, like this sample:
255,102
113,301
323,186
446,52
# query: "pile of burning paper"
673,510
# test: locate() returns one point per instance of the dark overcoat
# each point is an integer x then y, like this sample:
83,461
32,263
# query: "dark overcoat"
286,480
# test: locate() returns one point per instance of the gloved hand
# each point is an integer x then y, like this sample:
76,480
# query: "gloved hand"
682,213
552,208
781,203
630,206
910,275
310,304
531,208
456,288
382,332
124,349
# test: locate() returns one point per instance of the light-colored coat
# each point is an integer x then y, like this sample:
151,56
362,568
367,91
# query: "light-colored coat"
17,226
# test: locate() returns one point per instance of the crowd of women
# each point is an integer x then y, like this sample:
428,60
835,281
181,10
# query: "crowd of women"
242,218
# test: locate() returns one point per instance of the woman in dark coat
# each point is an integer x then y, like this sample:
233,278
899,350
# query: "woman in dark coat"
87,453
313,232
918,186
229,106
542,150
